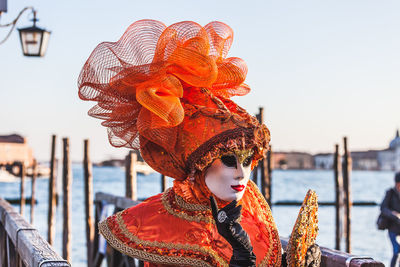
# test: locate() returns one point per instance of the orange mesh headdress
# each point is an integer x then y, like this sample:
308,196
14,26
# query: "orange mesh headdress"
166,91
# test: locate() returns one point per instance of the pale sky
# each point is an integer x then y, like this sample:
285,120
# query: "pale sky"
320,69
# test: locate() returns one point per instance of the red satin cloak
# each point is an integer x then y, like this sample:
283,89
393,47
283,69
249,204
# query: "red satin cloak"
169,229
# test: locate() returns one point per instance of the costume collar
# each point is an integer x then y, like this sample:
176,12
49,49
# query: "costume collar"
167,229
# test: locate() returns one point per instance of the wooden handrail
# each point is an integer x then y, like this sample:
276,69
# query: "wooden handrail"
20,241
119,202
114,257
335,258
330,257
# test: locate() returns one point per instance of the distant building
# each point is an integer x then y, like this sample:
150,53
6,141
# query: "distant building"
386,159
13,148
365,160
389,159
292,160
361,160
323,161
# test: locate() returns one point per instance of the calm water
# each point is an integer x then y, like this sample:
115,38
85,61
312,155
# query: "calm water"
287,185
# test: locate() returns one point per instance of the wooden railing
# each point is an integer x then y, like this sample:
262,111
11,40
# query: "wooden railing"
330,257
21,245
335,258
112,256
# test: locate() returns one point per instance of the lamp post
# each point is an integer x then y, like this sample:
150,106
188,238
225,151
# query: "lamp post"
34,40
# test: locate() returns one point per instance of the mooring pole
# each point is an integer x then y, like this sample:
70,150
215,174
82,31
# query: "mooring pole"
52,194
347,194
87,167
337,167
22,188
255,170
164,184
131,176
33,189
67,182
269,173
255,175
265,170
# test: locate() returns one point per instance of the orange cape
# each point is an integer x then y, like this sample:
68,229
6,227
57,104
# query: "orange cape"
167,229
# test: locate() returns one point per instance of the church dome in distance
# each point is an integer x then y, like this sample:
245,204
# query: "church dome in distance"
395,142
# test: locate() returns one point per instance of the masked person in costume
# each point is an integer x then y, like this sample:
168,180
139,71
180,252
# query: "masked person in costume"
165,91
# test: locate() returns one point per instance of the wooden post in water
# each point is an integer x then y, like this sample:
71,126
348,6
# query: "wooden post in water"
255,170
265,169
337,167
269,172
52,194
164,184
67,181
33,189
255,175
130,176
347,194
22,188
87,167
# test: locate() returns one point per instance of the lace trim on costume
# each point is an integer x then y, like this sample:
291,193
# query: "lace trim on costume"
195,213
184,254
190,206
228,141
157,252
178,207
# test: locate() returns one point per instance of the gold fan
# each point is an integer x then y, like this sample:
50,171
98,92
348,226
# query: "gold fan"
304,232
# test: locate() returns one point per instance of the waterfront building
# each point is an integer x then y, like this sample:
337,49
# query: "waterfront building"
361,160
13,149
323,161
386,160
365,160
389,159
292,160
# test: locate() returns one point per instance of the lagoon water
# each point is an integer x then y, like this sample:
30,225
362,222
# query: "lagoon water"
286,185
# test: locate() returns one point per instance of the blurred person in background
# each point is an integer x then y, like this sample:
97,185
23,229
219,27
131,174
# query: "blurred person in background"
390,208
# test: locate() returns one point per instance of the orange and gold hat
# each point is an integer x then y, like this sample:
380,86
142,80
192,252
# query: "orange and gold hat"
166,92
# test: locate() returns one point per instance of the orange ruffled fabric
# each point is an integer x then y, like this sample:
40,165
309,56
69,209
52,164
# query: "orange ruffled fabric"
143,75
167,230
165,91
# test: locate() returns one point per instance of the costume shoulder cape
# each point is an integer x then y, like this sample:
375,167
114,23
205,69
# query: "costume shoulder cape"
165,229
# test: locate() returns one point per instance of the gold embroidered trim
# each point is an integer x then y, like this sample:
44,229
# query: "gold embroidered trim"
179,260
146,256
183,215
190,206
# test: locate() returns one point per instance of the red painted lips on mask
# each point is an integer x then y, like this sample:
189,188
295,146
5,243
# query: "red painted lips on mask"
238,187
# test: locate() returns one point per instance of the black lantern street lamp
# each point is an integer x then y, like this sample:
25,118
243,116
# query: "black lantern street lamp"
34,40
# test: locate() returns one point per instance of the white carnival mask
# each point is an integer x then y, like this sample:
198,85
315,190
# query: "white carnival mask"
228,176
